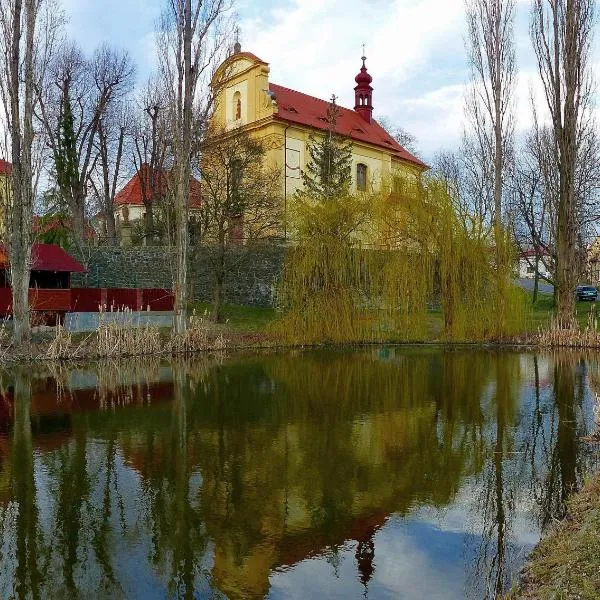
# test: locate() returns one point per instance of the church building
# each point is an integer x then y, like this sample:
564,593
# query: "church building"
285,119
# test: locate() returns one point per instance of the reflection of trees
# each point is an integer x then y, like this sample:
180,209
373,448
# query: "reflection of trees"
260,462
27,552
498,481
563,468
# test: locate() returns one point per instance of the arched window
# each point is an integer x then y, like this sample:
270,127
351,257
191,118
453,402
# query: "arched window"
237,106
361,177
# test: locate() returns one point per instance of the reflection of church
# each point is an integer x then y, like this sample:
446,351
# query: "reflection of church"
56,417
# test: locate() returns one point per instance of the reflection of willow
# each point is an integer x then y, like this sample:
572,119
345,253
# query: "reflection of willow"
499,484
328,444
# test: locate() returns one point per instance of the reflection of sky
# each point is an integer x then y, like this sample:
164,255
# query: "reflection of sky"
430,554
413,559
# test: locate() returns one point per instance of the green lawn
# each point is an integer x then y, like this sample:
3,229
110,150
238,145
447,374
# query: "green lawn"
241,318
255,319
541,314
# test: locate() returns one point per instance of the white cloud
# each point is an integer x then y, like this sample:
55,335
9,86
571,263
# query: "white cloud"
415,52
315,47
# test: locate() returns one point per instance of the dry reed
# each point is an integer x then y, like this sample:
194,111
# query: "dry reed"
571,336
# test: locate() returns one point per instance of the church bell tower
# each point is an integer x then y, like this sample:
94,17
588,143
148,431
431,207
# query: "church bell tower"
363,93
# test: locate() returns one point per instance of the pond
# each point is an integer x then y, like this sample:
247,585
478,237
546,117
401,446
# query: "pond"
380,472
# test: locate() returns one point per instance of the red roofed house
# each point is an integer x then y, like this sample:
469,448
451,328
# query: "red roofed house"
285,119
129,202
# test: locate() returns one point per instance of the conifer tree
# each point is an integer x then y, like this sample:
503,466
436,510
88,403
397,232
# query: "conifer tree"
329,172
65,154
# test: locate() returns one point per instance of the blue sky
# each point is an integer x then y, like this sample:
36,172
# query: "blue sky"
415,52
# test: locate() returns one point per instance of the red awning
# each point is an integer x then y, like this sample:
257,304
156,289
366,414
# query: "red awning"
48,257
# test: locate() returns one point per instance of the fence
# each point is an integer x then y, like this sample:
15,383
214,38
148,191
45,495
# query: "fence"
92,300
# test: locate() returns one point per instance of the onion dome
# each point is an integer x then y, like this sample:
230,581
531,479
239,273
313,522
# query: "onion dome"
363,78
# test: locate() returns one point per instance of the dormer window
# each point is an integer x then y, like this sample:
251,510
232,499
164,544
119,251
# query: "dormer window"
361,177
237,106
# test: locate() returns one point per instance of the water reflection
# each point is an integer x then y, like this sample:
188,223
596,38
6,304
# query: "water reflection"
288,475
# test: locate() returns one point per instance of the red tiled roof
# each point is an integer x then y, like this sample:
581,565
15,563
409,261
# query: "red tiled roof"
41,227
5,167
299,108
531,253
132,195
48,257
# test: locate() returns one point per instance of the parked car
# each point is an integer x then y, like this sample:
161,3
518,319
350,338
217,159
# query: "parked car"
586,292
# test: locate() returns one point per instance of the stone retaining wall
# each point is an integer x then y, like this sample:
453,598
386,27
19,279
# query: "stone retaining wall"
251,279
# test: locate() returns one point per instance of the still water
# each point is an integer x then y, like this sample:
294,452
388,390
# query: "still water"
375,473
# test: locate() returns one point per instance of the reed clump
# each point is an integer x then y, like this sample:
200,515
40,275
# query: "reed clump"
571,335
121,335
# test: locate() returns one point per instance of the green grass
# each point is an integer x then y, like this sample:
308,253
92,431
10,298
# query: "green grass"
254,319
241,318
566,563
542,312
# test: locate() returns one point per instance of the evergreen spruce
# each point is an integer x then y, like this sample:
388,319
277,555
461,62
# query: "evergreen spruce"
65,156
329,170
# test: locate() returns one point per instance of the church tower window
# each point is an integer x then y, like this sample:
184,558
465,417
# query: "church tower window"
361,177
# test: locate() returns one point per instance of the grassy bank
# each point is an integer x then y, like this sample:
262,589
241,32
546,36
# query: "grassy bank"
565,565
251,319
249,327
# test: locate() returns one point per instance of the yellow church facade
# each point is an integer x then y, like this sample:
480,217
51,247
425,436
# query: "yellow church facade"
285,119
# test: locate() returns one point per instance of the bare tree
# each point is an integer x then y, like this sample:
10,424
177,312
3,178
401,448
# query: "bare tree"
241,201
22,60
71,113
490,42
532,206
460,172
113,132
406,139
561,32
149,149
191,40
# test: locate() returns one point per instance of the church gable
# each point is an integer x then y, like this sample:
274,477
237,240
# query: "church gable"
241,83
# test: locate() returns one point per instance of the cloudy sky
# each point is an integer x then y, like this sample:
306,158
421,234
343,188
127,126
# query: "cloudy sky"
415,51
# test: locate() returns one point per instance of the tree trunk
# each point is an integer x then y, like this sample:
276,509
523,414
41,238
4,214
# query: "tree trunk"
217,315
149,223
21,142
565,268
76,206
536,280
183,176
111,227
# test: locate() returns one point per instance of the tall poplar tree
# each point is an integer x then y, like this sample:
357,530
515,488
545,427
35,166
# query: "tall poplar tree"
561,32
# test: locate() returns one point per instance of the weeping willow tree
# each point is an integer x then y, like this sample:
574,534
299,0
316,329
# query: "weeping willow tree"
382,267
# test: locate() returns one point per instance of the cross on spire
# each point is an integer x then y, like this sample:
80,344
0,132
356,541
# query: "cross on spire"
237,47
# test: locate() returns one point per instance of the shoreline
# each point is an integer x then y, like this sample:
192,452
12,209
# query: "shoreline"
40,351
565,563
218,338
